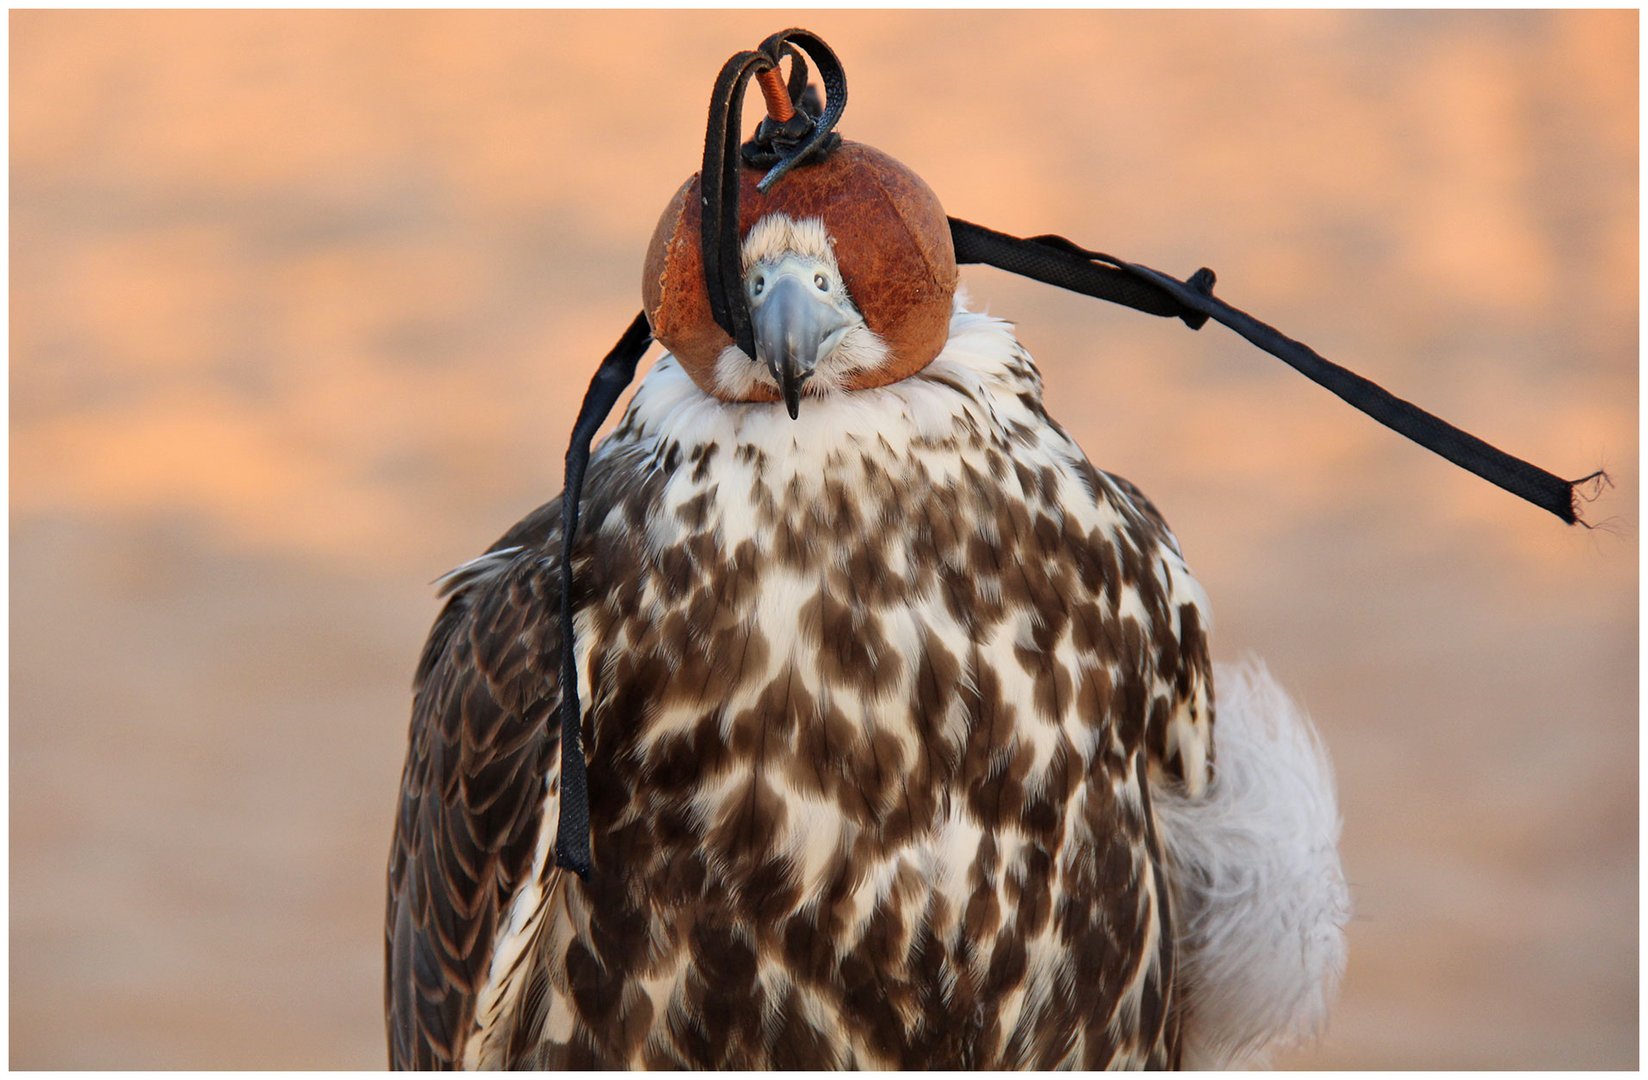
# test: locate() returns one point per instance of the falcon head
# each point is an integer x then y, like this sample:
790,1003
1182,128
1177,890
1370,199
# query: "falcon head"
806,325
848,272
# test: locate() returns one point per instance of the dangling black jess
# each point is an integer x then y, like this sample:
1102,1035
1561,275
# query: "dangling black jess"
616,372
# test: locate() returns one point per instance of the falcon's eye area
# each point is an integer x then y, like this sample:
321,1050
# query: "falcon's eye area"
822,282
759,285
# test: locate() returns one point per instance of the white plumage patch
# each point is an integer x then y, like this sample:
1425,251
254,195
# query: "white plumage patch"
777,235
1262,898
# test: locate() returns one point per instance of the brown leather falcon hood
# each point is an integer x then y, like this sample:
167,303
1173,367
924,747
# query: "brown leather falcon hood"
892,243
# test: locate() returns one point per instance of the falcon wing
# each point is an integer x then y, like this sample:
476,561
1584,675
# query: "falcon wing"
483,747
1170,753
1180,742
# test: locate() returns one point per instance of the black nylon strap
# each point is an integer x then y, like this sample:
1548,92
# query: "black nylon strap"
616,372
1046,259
1058,261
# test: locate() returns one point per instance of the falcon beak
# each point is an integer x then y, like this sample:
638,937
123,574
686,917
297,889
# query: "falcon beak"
795,327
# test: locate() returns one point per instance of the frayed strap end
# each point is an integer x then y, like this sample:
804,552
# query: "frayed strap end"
1586,489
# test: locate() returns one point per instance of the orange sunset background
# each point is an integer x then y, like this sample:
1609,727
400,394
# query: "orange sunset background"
303,304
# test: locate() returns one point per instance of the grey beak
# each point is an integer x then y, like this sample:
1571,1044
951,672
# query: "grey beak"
790,327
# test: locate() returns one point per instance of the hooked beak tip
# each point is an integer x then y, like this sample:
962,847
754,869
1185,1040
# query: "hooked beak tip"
790,376
791,325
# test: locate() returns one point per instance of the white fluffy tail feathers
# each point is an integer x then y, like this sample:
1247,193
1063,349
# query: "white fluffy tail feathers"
1261,899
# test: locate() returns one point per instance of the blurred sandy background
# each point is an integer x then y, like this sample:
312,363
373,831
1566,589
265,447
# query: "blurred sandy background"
302,304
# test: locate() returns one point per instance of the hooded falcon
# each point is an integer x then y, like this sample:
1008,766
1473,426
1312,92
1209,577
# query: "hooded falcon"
899,715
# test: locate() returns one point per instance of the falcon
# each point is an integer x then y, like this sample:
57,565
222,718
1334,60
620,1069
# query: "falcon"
899,716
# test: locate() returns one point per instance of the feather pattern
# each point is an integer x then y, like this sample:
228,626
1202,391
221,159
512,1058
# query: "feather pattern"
880,705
